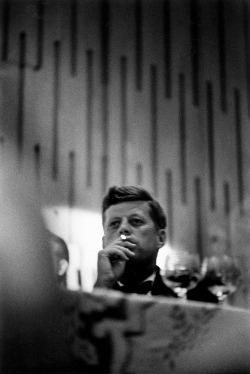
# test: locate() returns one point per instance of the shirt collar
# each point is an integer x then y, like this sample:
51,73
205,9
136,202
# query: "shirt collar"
150,278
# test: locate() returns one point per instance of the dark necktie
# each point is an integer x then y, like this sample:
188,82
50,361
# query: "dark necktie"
141,289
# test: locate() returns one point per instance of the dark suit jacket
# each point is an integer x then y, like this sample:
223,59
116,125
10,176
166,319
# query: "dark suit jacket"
202,293
159,288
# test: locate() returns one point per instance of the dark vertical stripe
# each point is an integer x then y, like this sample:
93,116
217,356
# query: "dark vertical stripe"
222,55
37,156
227,210
154,130
138,44
226,199
105,115
124,119
79,277
40,35
167,48
56,97
139,174
89,116
210,133
21,93
5,30
73,37
105,41
195,50
182,129
72,168
104,172
247,50
170,206
239,158
2,148
198,216
105,79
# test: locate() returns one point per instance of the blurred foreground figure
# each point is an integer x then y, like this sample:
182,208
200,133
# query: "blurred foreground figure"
60,254
30,327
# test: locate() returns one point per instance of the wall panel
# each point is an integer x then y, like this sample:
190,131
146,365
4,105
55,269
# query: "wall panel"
152,93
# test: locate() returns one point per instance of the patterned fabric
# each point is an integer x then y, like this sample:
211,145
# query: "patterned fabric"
115,333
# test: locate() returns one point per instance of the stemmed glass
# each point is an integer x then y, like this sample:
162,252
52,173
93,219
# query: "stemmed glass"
222,275
181,272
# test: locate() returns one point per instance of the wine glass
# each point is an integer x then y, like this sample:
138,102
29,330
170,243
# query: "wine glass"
181,272
222,275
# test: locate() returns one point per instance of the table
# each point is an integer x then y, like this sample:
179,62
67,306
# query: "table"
110,332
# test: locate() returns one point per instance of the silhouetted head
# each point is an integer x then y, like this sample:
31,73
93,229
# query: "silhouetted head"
60,255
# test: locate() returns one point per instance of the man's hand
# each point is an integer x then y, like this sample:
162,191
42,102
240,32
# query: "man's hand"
111,262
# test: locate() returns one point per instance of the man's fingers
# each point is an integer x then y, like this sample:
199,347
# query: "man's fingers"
117,254
117,257
128,251
126,244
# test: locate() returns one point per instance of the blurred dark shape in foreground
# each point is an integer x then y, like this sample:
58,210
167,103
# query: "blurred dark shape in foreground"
32,335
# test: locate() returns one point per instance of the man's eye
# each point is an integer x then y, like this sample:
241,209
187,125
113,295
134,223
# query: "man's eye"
114,224
137,222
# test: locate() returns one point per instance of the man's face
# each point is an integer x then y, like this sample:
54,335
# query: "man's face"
133,220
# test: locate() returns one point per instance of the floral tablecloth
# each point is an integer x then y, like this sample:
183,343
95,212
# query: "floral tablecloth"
109,332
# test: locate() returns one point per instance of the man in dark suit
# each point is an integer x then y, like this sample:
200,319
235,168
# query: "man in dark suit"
134,231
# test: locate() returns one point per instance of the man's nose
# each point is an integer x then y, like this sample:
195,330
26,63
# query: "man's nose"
124,227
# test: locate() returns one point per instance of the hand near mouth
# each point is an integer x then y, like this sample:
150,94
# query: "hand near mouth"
112,260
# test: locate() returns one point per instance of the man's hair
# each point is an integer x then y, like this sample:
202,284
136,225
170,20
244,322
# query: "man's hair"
62,249
117,195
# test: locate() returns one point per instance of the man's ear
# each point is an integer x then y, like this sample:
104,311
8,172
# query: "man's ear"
63,266
162,236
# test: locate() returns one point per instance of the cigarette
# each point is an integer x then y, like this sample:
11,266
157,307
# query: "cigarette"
123,237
